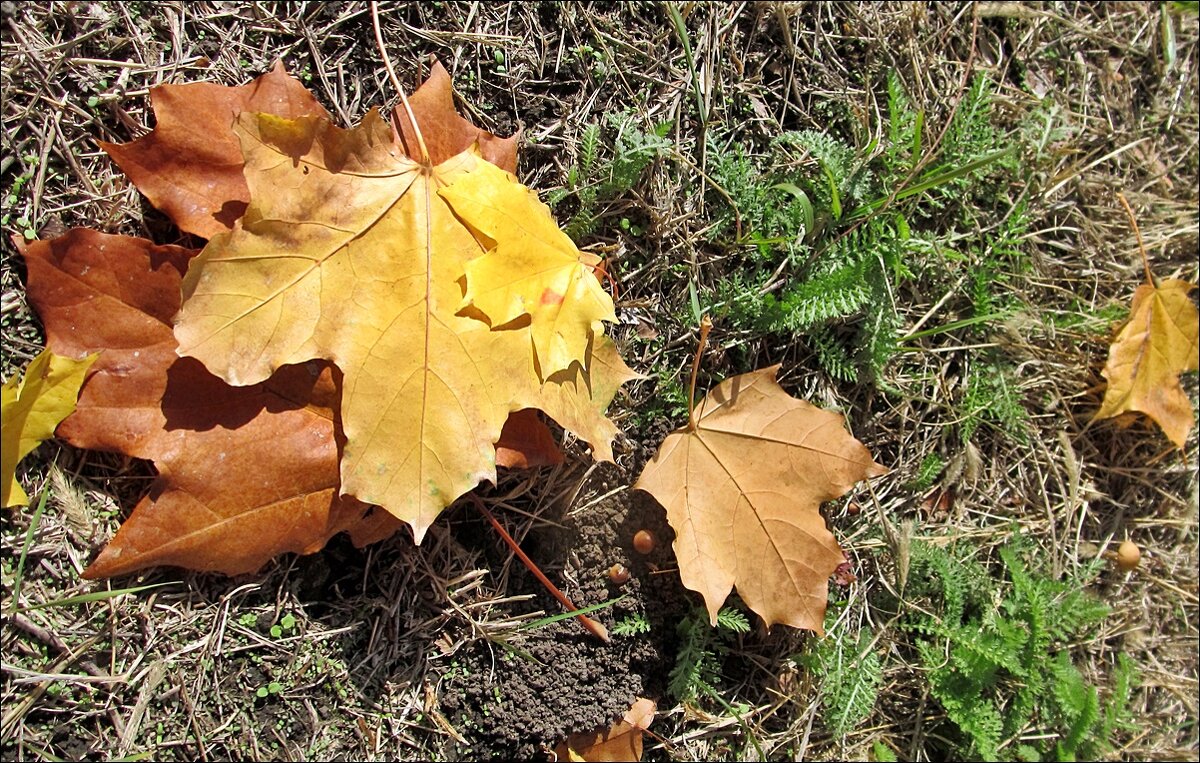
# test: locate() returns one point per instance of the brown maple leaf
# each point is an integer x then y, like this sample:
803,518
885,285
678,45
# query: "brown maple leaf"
445,132
622,742
244,473
526,442
743,491
1159,341
190,165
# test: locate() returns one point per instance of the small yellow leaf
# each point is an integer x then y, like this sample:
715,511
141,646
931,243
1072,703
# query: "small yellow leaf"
531,267
32,408
1144,362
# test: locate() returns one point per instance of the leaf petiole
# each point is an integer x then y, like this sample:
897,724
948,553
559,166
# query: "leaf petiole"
387,64
705,327
1141,244
593,626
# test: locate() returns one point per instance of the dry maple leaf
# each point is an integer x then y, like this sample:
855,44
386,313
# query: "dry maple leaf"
349,252
525,442
743,493
33,406
190,166
622,742
244,473
577,400
446,134
1159,342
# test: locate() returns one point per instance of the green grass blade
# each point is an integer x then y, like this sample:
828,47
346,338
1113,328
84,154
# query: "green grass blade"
682,33
952,326
941,178
555,618
33,525
94,596
835,198
932,180
918,130
806,207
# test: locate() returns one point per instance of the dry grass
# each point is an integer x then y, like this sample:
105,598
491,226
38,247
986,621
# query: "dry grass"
174,672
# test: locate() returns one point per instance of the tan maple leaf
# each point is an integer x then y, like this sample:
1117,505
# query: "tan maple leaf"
743,492
349,252
1159,342
621,742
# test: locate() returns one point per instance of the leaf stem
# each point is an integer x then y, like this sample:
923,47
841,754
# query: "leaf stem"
594,626
1141,244
705,327
387,64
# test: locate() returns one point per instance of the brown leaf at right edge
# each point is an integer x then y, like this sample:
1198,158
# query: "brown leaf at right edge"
743,493
622,742
1158,343
190,166
245,473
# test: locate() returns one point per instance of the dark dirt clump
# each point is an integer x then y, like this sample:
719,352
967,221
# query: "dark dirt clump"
518,700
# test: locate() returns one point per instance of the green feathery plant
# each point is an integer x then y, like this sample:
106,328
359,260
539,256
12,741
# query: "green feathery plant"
833,231
697,663
633,624
996,655
849,673
930,469
992,397
610,163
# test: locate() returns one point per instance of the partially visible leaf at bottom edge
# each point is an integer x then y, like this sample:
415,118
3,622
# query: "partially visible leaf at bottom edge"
622,742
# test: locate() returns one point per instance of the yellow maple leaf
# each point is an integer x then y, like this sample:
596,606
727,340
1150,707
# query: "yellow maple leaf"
531,268
349,252
1144,362
32,409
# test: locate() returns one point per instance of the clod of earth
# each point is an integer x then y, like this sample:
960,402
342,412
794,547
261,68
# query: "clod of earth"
1128,555
643,541
619,574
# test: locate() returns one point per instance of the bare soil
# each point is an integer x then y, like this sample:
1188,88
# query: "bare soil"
521,699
